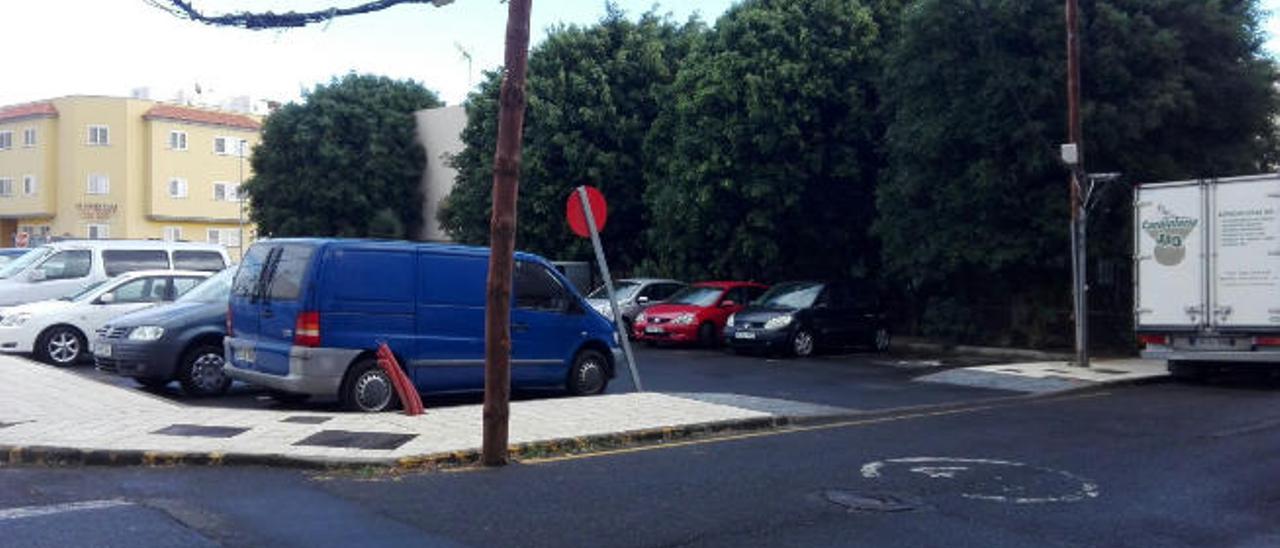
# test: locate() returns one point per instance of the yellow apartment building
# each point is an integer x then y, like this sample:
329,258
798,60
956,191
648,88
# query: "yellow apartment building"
109,167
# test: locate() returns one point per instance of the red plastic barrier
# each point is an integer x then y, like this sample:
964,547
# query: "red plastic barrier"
404,387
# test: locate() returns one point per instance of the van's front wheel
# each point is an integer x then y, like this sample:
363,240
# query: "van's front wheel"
589,374
368,389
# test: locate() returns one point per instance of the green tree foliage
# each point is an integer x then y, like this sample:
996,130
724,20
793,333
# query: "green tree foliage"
973,211
592,95
765,153
344,162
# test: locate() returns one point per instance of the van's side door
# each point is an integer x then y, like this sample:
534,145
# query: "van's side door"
450,322
546,327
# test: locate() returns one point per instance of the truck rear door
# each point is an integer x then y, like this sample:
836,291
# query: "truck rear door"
1170,262
1245,262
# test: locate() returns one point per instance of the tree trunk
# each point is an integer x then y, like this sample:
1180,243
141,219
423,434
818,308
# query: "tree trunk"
502,235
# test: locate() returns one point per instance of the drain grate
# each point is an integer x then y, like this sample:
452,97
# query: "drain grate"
357,440
306,419
1106,371
869,502
199,431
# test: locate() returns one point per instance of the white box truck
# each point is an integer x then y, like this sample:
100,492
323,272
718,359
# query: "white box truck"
1207,272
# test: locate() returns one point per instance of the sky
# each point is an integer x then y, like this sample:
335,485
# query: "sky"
111,47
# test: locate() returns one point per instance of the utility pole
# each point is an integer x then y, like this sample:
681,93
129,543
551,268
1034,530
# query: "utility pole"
502,236
240,200
1075,159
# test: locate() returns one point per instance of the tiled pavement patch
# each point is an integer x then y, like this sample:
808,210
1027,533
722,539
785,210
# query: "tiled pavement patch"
199,431
306,419
383,441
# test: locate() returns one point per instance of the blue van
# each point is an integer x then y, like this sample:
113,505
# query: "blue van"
306,315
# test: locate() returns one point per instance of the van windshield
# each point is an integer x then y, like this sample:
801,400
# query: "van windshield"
25,260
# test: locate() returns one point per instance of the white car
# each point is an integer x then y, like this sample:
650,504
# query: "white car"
55,330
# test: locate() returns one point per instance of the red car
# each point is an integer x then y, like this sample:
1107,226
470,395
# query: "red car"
696,313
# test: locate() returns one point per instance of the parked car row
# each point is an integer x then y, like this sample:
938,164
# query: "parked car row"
793,317
60,296
305,317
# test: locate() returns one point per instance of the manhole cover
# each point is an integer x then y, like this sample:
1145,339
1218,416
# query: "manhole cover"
201,431
305,419
869,502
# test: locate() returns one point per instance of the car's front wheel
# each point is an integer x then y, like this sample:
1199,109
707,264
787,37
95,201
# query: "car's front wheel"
60,345
368,388
882,339
201,372
802,343
589,374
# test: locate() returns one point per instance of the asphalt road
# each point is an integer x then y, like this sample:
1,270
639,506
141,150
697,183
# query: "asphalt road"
858,381
1159,465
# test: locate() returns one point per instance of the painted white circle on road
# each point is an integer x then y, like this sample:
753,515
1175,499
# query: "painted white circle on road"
989,479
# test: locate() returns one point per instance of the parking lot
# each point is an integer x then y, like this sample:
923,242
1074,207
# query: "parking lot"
861,381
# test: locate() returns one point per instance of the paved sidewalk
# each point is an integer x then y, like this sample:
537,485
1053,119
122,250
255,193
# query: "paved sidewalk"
1047,377
51,415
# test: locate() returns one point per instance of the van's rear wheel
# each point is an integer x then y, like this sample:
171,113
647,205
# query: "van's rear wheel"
589,374
368,388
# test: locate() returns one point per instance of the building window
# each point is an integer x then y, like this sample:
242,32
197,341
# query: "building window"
178,140
98,231
99,184
177,188
172,233
99,136
29,187
6,140
225,192
6,186
29,137
221,145
228,237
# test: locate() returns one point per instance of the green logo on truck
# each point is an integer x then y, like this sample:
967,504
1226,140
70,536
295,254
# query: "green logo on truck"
1170,232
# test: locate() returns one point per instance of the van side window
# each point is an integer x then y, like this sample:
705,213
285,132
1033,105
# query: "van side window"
205,261
118,261
66,265
537,289
286,276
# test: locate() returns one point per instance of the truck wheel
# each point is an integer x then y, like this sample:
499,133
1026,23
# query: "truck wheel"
589,374
200,372
368,388
1194,372
60,345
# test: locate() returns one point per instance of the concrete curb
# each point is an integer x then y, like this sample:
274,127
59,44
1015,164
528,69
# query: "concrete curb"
41,455
921,345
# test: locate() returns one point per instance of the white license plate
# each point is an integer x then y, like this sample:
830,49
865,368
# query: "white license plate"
103,350
744,335
654,329
244,354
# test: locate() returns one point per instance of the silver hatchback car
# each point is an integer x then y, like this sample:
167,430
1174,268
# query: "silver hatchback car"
634,296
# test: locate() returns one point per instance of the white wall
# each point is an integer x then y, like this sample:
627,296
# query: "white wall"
440,132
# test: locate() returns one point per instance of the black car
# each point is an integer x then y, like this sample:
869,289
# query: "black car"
179,341
801,317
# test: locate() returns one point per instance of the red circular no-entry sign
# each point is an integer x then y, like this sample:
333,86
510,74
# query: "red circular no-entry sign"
578,220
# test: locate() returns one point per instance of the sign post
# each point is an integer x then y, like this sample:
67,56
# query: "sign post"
585,204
